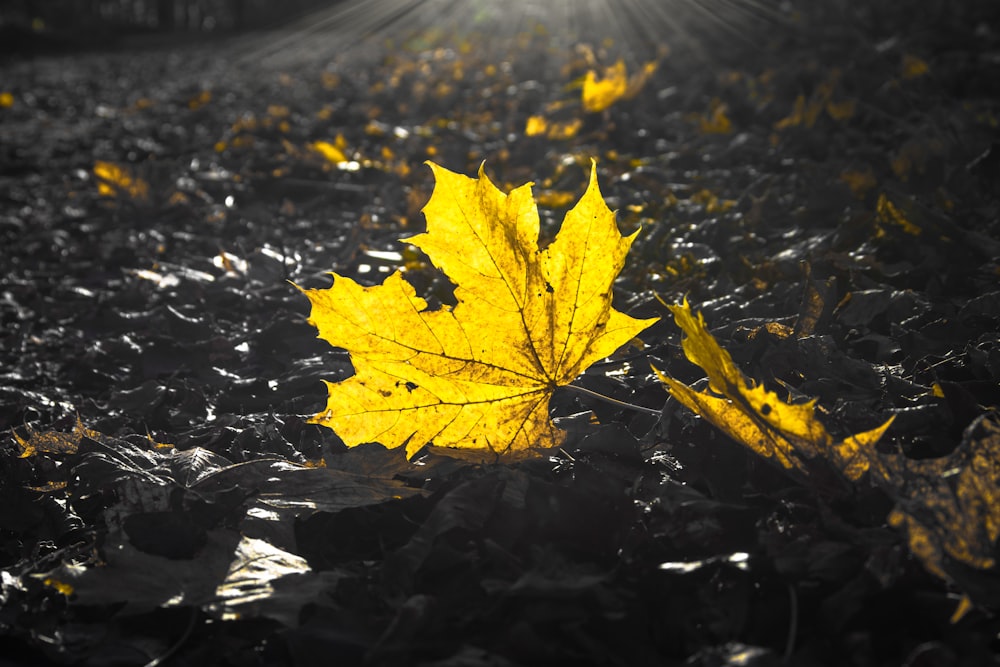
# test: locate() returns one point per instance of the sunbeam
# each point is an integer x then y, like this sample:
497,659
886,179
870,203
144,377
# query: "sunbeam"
635,29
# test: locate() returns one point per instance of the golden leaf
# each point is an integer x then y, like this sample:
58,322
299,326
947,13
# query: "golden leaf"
527,320
614,84
757,418
113,179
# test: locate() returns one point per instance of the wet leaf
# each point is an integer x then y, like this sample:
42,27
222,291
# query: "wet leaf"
527,320
758,418
949,507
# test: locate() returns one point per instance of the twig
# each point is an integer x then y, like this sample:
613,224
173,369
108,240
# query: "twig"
614,401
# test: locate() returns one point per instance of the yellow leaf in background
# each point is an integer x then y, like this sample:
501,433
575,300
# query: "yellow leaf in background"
554,198
757,418
860,181
841,110
614,84
599,94
113,180
890,214
329,151
200,100
535,126
715,121
6,100
478,375
61,586
913,67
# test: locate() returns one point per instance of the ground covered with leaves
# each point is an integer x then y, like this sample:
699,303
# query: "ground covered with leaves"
822,189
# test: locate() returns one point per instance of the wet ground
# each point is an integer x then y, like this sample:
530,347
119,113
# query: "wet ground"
824,191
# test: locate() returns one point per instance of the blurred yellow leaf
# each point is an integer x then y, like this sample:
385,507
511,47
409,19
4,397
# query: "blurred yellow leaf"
6,100
535,126
601,93
478,375
200,100
913,67
113,180
715,121
329,151
890,214
614,84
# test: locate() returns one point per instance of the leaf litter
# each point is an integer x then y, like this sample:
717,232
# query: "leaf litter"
256,537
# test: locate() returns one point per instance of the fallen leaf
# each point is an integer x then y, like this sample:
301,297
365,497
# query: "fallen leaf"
599,94
949,507
756,417
613,85
53,442
113,180
478,375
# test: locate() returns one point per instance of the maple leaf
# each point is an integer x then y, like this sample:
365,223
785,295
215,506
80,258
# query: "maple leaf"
615,84
527,320
756,417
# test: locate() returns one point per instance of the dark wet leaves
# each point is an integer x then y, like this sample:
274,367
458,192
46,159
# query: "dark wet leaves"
164,492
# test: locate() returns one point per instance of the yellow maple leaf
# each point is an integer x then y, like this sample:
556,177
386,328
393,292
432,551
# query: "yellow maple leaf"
527,320
757,418
613,85
599,94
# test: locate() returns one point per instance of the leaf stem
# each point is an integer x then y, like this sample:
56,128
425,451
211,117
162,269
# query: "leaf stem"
614,401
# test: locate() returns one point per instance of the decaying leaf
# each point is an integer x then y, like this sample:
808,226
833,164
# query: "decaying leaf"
756,417
527,320
950,506
53,442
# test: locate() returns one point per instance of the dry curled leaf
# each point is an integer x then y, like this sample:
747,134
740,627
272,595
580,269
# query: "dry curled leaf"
527,320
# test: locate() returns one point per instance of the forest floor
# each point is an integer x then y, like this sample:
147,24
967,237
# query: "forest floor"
824,191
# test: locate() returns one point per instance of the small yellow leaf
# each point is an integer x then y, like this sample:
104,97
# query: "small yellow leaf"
890,214
6,100
113,180
535,126
599,94
715,121
62,587
913,67
478,375
329,151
